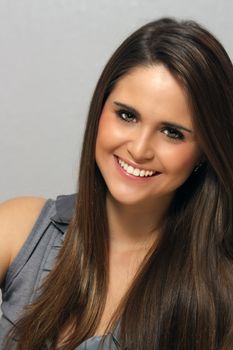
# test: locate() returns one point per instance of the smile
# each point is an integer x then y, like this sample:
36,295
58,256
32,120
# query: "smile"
136,171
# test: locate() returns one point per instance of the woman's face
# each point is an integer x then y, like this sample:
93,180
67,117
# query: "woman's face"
146,145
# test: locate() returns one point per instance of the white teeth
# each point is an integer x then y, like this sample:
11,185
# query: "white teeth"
130,169
135,171
142,173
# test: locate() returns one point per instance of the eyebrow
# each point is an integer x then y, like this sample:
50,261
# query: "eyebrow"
137,114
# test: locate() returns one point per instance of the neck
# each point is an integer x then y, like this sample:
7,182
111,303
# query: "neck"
134,226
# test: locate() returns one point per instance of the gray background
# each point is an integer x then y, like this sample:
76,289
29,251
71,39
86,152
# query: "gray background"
52,52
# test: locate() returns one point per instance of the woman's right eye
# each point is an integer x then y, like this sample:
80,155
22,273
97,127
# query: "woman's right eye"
126,116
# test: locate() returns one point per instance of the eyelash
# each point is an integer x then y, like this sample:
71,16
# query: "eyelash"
177,135
129,117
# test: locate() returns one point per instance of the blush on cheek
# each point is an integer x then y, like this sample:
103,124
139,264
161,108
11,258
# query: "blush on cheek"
187,155
102,121
109,128
186,167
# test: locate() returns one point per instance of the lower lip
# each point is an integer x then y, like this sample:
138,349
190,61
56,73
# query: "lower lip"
132,177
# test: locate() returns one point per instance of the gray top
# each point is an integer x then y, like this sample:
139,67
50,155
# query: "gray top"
33,263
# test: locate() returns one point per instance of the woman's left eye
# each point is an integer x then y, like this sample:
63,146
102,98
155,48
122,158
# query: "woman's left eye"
173,133
127,116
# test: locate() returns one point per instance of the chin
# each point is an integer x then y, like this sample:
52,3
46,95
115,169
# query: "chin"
128,199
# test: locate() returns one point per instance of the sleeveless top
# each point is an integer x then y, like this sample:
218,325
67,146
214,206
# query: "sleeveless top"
34,262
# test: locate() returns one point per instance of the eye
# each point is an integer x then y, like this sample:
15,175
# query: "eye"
173,133
126,116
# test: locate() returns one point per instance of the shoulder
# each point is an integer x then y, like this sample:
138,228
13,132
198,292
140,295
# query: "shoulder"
17,218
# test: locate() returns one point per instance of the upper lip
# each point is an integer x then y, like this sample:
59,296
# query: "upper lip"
136,166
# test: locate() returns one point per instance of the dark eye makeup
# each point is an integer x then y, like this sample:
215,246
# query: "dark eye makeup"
169,131
173,133
126,116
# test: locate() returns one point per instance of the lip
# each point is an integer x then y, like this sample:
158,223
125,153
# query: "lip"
134,165
130,176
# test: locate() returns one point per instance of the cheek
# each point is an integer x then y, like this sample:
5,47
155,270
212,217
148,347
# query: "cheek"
105,136
179,157
109,133
103,124
103,130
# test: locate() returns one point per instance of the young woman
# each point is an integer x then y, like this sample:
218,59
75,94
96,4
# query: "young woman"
142,257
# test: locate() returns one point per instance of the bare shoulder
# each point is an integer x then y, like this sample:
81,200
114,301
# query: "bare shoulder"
17,218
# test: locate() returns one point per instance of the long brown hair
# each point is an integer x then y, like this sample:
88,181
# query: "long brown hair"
183,293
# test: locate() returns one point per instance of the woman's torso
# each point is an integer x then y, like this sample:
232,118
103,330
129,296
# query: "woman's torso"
34,262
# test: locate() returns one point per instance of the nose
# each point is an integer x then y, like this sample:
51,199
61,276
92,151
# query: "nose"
140,148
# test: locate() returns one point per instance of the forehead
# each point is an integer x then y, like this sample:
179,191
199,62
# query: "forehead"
153,90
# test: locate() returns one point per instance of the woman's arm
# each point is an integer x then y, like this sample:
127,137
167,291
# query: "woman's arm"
17,217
